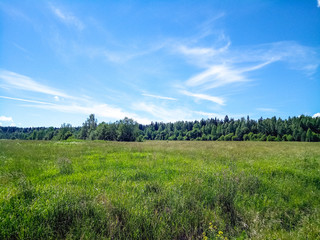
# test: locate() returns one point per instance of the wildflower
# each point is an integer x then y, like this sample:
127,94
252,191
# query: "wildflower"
204,236
210,226
220,232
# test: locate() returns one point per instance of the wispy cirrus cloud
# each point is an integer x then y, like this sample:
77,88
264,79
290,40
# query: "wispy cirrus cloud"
202,56
225,66
18,81
294,55
220,75
114,53
159,97
218,100
67,17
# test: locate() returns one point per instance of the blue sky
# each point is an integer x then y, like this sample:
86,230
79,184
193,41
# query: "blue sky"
157,60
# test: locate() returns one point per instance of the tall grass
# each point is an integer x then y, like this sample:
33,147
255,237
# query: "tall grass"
159,190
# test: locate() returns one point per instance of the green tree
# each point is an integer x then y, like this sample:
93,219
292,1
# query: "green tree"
127,130
65,132
88,126
309,135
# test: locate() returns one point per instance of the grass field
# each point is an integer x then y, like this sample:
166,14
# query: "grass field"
159,190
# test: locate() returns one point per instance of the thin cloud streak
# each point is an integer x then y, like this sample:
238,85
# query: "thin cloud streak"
125,54
22,82
217,100
67,18
20,48
25,100
256,67
159,97
202,51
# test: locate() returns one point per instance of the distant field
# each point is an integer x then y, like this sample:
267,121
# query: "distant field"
159,190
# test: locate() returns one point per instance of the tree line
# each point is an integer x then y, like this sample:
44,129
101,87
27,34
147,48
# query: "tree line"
302,128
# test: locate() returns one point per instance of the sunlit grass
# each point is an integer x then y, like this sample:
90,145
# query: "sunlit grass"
159,190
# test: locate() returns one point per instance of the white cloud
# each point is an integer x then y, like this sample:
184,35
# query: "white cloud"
318,3
217,100
159,97
19,81
6,119
67,18
316,115
56,98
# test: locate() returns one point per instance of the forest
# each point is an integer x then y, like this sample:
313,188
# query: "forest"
302,128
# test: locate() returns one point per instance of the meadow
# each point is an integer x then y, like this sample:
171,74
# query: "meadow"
159,190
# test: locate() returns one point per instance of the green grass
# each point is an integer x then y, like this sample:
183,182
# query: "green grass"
159,190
